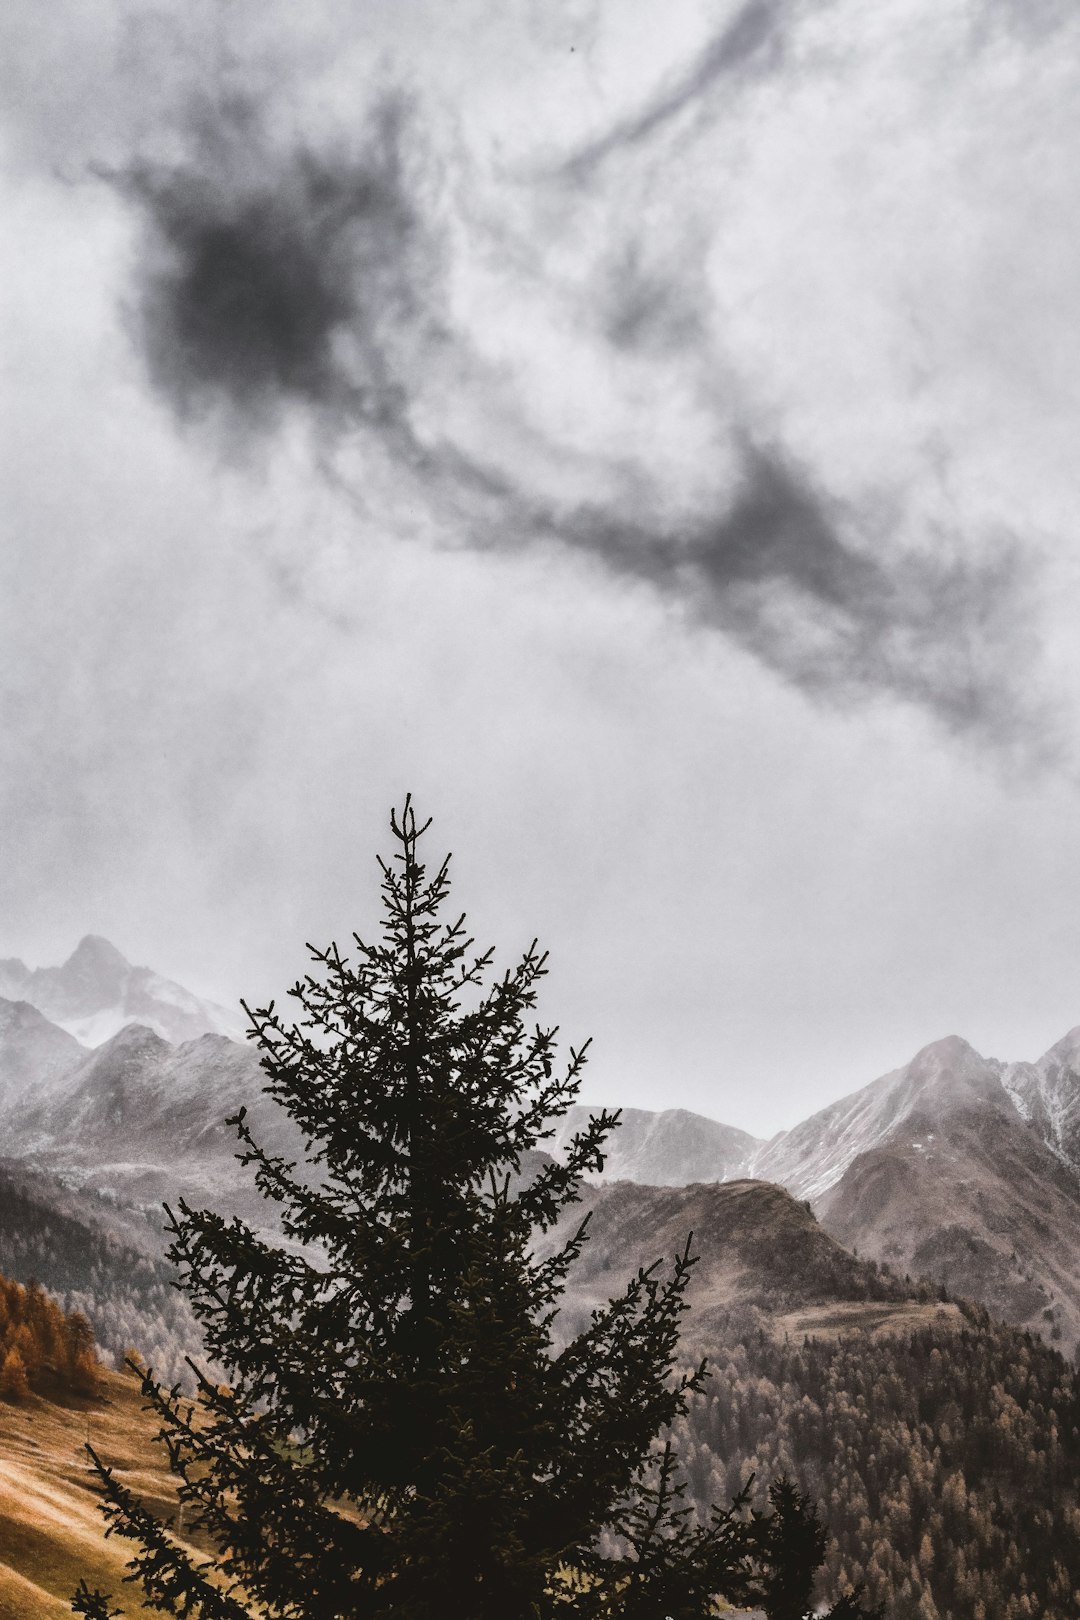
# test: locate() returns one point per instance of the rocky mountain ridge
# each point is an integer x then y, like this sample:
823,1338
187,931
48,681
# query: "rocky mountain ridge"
97,991
955,1167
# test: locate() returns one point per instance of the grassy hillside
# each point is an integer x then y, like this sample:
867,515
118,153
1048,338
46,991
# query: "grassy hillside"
51,1532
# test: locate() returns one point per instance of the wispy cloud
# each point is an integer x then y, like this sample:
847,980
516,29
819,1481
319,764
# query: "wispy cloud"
749,45
288,269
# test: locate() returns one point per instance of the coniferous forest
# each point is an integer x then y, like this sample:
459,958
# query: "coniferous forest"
946,1462
125,1292
43,1349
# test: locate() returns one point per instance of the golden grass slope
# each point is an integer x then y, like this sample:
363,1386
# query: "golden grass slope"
51,1531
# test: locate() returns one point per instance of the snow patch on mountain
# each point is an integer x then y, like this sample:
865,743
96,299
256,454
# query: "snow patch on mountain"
97,991
946,1075
1047,1095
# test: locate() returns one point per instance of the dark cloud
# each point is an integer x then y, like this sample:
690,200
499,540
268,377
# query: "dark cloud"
786,572
751,43
272,277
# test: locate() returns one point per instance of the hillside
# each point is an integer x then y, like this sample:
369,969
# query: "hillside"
956,1168
100,1258
51,1532
934,1169
756,1246
945,1456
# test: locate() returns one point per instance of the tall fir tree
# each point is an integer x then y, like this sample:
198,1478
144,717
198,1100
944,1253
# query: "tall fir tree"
401,1434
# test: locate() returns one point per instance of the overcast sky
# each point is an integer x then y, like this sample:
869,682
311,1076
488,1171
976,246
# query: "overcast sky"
648,432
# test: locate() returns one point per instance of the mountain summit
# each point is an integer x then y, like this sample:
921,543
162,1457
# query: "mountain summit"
97,991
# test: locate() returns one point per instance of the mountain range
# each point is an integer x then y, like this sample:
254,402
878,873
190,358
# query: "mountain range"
97,991
829,1295
956,1168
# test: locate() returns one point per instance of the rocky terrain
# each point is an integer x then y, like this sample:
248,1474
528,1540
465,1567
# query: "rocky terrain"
955,1167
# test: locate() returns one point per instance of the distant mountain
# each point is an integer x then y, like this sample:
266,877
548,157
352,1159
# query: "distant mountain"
97,991
955,1167
144,1120
33,1052
666,1149
813,1156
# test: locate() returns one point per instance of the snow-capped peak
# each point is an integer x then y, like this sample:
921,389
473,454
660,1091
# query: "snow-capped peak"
97,991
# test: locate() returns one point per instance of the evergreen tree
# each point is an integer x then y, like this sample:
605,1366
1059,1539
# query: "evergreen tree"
401,1436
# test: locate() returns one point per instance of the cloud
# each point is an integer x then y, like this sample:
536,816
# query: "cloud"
271,278
751,44
306,267
786,572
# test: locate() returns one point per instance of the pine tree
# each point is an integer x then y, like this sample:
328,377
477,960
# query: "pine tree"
14,1383
401,1435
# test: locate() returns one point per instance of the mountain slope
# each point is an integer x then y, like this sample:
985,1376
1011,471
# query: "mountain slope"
1047,1095
34,1053
954,1167
757,1247
934,1169
979,1203
97,990
667,1149
100,1258
51,1530
145,1120
812,1157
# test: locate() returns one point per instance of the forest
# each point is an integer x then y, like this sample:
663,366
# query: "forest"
43,1349
126,1294
945,1462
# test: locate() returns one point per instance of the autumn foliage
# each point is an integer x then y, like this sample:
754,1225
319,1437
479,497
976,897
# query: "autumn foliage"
43,1348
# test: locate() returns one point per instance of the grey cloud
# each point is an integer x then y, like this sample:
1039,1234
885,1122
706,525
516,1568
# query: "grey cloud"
782,572
288,277
272,277
751,43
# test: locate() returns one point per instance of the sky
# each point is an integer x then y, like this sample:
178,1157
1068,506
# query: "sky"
645,433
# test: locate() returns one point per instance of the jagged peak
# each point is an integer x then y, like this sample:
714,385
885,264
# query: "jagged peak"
96,949
133,1037
947,1051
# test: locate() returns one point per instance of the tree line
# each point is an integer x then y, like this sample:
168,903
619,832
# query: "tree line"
43,1348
